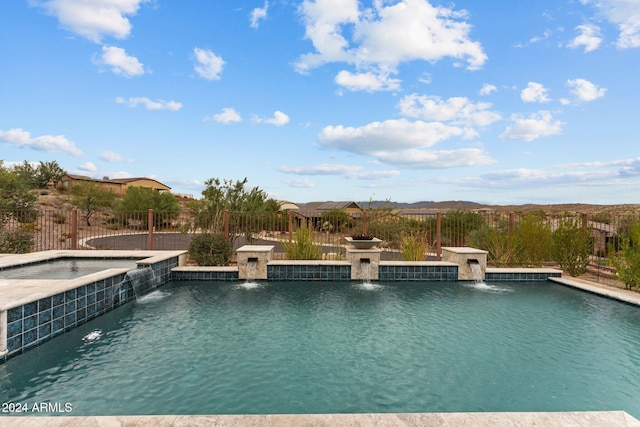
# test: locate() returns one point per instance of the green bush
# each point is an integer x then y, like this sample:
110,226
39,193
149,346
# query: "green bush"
18,241
627,260
533,240
303,245
571,246
210,249
498,242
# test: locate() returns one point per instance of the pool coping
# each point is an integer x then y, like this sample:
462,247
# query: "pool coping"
479,419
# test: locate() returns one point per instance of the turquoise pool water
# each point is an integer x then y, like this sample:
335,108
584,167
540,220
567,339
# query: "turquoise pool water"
220,348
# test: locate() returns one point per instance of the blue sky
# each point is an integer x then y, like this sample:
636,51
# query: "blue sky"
495,102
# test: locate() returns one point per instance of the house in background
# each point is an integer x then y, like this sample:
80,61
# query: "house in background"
117,185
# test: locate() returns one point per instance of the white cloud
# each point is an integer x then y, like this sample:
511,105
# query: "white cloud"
110,156
149,104
279,119
120,63
589,38
403,143
94,19
487,89
584,90
437,159
377,40
88,167
228,115
49,143
388,135
532,127
258,14
208,64
457,110
347,171
534,92
300,183
369,81
626,15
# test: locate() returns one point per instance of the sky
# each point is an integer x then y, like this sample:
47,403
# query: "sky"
494,101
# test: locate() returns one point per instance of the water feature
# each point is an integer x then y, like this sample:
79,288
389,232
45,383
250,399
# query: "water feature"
330,348
365,266
476,270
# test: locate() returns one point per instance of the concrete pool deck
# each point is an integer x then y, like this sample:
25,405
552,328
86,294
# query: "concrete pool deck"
475,419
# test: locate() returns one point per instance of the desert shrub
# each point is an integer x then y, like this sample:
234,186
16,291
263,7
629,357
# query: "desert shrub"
17,241
627,260
533,240
571,246
303,245
414,247
210,249
59,217
498,242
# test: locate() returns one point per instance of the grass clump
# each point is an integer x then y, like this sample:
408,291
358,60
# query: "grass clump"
303,246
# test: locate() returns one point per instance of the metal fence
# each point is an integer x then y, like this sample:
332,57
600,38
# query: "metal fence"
75,229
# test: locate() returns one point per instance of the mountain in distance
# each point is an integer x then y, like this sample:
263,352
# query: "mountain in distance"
451,204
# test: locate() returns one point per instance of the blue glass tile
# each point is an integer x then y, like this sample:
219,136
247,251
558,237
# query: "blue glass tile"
44,304
44,331
14,328
30,309
81,315
57,325
70,307
29,337
91,311
58,311
81,302
44,316
91,299
57,299
14,343
70,295
70,319
14,314
30,322
81,291
91,288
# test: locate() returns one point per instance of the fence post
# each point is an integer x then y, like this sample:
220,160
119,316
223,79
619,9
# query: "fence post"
74,229
512,222
439,236
584,221
290,226
226,223
150,230
364,222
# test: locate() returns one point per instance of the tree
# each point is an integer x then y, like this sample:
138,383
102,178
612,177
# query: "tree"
140,199
47,172
245,204
91,197
15,199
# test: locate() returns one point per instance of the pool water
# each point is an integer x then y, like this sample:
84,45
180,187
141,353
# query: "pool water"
65,268
230,348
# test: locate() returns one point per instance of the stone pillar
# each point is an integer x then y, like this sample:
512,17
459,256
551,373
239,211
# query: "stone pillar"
252,261
465,257
364,262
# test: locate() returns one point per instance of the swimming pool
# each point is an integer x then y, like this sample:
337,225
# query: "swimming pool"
294,347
